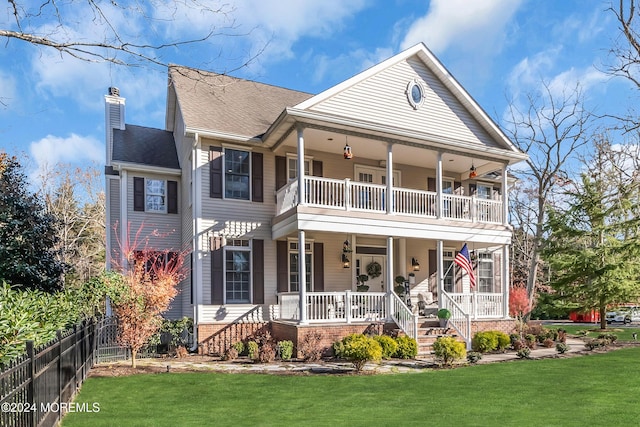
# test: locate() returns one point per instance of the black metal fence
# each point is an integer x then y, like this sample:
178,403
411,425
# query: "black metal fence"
36,389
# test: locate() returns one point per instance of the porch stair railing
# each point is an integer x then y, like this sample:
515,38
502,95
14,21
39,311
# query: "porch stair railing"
460,320
404,317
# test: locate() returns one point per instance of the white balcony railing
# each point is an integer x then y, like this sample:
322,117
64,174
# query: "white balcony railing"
338,307
480,305
348,195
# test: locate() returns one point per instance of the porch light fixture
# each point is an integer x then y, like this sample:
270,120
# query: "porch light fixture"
348,155
346,247
415,264
472,171
345,261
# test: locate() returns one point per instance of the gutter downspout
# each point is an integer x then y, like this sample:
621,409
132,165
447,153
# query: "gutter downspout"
195,208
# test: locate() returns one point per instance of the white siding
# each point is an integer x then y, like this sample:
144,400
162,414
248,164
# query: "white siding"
168,226
382,99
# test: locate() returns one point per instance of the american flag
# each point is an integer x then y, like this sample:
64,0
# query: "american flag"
464,261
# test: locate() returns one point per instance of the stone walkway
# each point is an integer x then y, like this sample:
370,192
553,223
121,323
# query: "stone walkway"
331,367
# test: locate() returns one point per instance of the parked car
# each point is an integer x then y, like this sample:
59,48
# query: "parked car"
624,315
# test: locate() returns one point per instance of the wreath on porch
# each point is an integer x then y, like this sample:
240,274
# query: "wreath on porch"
374,269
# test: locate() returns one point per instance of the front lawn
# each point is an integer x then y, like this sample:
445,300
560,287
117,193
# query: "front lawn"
573,391
592,330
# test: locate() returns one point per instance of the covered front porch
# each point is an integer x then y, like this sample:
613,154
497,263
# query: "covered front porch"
426,269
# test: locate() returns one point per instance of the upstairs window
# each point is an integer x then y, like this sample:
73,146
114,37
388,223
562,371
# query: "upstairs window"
237,167
155,195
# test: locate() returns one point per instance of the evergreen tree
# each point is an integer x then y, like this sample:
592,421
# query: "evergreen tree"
28,257
592,245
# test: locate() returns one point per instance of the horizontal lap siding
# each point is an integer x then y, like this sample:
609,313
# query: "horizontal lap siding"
239,219
382,99
169,234
114,215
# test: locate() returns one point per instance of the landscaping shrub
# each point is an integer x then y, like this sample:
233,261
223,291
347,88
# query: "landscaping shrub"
285,349
608,337
230,354
530,341
359,349
484,342
524,353
448,349
562,347
562,335
596,343
474,357
504,340
252,350
407,347
267,353
548,343
311,346
239,347
518,344
389,345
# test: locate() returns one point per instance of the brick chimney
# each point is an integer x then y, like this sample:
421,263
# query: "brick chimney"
114,118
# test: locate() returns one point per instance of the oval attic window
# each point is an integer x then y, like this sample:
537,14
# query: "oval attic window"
415,93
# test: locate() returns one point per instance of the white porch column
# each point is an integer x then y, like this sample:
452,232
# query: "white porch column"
389,178
505,196
389,275
439,187
302,197
505,280
439,271
402,259
302,276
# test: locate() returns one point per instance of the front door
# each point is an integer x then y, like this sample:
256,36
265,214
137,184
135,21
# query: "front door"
366,264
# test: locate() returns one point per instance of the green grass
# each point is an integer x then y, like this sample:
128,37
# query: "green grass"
593,330
576,391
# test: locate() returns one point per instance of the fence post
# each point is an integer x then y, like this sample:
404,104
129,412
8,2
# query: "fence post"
31,398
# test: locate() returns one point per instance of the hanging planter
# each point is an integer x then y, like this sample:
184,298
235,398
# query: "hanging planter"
374,269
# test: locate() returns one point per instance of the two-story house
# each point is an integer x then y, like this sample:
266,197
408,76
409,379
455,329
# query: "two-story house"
288,201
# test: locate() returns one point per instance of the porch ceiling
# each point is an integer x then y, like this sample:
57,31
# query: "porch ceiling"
414,150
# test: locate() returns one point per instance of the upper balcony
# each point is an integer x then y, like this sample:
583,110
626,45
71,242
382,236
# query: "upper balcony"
347,195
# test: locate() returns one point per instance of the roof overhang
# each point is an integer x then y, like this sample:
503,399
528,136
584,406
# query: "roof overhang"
292,117
136,167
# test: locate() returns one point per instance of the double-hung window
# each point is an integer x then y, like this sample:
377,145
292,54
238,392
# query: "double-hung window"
237,267
485,272
294,276
155,195
237,167
292,167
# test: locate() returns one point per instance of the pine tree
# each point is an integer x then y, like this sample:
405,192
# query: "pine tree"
28,257
591,251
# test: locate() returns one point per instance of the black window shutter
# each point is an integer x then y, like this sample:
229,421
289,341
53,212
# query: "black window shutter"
215,172
217,270
138,194
256,177
433,262
282,265
317,168
431,184
281,172
456,186
472,189
318,266
172,197
258,271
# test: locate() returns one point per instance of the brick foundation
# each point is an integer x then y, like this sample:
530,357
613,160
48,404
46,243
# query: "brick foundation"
503,325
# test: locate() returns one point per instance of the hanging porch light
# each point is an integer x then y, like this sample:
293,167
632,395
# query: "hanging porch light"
348,155
472,171
345,261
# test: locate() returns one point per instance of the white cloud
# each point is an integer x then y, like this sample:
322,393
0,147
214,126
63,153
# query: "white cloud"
473,26
74,149
336,67
8,95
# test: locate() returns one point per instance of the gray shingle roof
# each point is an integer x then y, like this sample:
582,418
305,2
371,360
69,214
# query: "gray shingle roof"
146,146
227,104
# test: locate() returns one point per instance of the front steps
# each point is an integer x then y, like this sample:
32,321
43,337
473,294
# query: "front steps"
429,330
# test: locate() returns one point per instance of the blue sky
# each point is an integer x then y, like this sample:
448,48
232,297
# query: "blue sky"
497,49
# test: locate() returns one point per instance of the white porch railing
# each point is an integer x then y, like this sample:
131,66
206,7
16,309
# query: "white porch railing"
404,317
348,195
480,305
459,320
339,307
